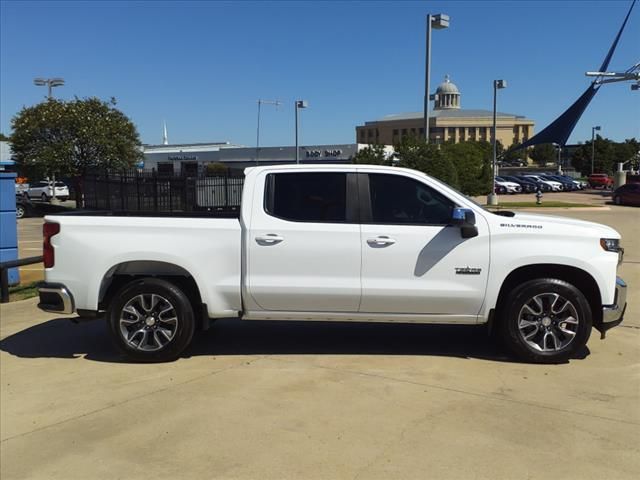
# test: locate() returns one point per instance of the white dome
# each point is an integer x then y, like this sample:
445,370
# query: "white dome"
447,87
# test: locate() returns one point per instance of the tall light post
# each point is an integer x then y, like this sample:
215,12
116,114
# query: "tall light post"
492,199
559,161
261,102
593,145
298,105
438,22
49,82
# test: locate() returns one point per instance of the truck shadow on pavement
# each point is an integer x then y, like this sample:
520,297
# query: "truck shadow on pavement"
62,338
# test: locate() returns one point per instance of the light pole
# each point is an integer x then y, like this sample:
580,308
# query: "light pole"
277,103
299,104
593,145
438,22
559,162
492,199
50,82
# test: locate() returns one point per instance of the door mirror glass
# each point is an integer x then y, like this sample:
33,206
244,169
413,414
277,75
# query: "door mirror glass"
466,220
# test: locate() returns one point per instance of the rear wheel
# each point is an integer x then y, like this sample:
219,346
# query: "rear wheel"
20,211
545,320
151,320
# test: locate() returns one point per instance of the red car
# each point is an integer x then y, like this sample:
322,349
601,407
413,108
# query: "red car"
628,194
602,180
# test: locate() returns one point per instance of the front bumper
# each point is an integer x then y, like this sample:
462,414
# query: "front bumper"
55,298
612,315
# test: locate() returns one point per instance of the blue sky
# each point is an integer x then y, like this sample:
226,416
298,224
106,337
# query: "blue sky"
202,66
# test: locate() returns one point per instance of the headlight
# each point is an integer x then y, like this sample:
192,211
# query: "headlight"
610,244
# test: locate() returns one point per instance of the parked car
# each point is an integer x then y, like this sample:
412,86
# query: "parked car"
540,185
510,187
499,188
627,194
567,185
24,207
337,242
526,185
44,190
554,184
600,180
580,185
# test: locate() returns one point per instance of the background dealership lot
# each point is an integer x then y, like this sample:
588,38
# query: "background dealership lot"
319,400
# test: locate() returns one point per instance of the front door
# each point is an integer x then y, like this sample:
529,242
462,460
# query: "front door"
412,261
304,243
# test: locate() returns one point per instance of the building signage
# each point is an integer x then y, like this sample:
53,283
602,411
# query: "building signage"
183,158
327,153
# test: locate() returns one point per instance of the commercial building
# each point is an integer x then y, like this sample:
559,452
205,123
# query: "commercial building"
191,159
447,122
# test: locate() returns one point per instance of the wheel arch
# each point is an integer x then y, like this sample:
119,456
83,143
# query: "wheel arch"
577,277
122,273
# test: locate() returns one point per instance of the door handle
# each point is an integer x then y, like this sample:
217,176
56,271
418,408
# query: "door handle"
380,241
269,239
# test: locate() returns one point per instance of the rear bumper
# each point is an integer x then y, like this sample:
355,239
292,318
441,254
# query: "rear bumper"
612,315
55,298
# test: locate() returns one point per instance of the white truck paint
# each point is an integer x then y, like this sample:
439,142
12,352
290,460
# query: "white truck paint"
261,266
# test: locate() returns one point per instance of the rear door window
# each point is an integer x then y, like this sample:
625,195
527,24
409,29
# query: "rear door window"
318,197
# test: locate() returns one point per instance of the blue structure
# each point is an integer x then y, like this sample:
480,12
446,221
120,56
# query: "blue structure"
8,224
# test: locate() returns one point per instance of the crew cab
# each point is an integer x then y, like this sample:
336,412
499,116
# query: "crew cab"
349,243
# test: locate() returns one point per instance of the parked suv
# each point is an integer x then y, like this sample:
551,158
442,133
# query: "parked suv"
44,190
600,180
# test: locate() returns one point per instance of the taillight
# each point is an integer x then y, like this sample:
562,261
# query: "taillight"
48,231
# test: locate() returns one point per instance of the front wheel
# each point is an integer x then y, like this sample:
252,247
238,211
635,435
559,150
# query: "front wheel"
545,320
20,211
44,197
151,320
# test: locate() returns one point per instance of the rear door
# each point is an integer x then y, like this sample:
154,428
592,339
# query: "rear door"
412,261
303,245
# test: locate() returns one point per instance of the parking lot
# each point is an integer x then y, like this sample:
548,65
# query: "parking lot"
269,399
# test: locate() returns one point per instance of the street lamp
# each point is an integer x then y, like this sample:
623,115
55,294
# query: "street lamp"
299,104
559,162
593,145
438,22
277,103
50,82
492,199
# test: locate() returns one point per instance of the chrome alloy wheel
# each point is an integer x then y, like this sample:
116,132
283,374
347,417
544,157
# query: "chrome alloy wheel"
548,322
148,322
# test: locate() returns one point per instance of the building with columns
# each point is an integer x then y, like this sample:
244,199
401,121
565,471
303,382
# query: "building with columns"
447,122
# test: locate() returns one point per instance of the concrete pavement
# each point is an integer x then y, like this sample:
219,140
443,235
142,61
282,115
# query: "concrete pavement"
262,400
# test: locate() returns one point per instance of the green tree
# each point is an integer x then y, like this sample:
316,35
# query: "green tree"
543,153
3,137
67,138
416,154
372,155
515,153
607,155
472,161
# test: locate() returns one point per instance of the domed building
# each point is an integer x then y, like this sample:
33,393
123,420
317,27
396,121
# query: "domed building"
448,121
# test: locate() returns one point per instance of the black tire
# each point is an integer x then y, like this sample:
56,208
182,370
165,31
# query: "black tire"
123,322
514,327
63,199
616,200
44,197
20,211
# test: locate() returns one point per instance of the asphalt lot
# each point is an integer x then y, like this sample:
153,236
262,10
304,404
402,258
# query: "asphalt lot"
320,400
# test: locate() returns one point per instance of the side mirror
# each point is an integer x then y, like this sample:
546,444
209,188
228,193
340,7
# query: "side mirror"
466,220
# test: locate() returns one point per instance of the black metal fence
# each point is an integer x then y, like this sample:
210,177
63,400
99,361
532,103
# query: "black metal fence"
140,191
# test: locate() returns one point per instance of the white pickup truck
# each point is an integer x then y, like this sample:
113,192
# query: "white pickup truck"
349,243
